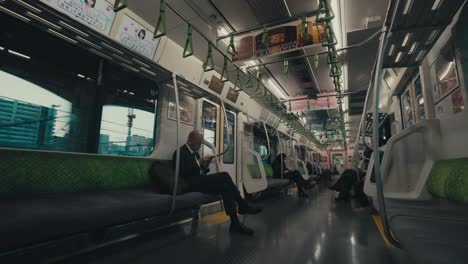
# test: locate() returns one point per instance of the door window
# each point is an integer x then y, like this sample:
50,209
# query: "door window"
209,124
228,157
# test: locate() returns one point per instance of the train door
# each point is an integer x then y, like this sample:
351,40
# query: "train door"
228,159
210,115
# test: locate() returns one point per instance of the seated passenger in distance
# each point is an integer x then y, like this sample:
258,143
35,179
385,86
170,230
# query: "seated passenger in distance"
194,171
294,175
353,178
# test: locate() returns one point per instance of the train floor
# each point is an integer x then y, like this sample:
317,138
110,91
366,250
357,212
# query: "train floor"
289,230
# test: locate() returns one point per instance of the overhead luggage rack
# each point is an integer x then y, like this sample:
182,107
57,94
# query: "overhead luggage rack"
417,26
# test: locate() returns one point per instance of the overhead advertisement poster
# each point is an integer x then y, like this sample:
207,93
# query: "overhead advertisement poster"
323,102
281,39
97,14
136,37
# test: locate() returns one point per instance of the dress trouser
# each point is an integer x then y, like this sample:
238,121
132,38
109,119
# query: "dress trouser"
296,177
219,184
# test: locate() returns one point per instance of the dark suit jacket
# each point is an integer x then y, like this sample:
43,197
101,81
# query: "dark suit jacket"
276,166
189,169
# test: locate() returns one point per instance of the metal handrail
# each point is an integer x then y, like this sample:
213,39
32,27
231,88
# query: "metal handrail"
177,168
388,25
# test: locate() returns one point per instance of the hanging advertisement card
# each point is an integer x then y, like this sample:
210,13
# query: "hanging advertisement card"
279,39
136,37
96,14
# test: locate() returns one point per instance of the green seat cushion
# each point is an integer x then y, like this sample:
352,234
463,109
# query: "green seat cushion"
449,179
254,171
268,170
29,172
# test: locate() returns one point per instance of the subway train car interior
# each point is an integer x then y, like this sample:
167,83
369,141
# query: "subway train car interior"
246,131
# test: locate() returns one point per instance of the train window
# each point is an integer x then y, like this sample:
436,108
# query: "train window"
407,108
47,90
261,149
128,113
228,157
412,103
210,120
33,117
419,98
126,131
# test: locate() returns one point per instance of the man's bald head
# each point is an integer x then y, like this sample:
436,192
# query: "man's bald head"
195,140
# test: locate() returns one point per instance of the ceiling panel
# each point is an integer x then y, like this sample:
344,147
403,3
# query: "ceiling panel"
359,11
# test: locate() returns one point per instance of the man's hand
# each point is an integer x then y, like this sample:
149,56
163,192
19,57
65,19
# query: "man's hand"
206,160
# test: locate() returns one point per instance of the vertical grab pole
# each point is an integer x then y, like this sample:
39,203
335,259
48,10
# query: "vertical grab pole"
177,168
378,176
281,153
268,140
227,127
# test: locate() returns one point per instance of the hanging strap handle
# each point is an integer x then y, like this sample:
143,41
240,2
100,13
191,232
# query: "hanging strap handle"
231,49
188,49
118,7
208,65
225,73
161,21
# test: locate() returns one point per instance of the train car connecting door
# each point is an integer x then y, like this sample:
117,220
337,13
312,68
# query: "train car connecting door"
228,160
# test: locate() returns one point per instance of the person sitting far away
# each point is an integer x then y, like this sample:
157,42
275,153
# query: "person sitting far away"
281,171
353,178
194,170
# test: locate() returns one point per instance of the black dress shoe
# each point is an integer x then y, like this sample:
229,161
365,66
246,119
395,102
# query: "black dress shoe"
240,229
249,210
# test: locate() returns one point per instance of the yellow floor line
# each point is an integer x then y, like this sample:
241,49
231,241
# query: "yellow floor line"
216,218
378,223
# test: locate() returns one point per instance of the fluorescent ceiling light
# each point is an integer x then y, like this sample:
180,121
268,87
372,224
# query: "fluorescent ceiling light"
47,22
148,71
100,54
437,4
140,62
398,58
73,29
80,75
122,59
8,11
2,48
409,4
29,6
18,54
392,50
88,42
406,39
413,47
55,33
111,48
276,90
129,67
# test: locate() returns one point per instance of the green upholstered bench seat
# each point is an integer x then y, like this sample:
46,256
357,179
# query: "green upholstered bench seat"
449,179
50,195
268,170
26,172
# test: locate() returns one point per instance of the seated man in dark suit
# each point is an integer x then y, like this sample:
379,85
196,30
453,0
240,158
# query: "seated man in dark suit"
280,169
194,169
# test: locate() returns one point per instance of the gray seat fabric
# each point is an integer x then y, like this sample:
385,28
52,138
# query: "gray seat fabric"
39,218
435,231
277,183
